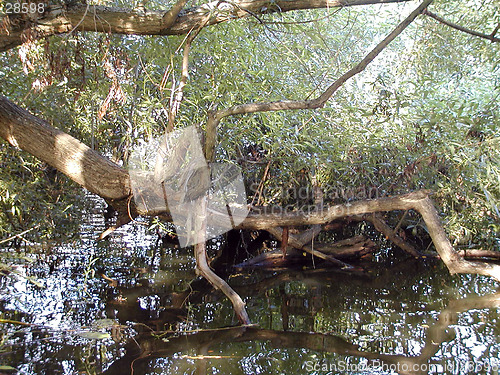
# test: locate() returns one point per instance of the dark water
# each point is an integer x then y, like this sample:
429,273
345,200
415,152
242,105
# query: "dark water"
116,307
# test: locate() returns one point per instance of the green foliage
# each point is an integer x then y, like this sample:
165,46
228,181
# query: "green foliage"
424,114
35,196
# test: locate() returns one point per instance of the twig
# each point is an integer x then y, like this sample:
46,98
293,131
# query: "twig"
260,188
79,22
19,234
400,222
16,322
177,98
491,37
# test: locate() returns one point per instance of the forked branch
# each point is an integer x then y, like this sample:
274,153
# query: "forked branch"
418,201
215,117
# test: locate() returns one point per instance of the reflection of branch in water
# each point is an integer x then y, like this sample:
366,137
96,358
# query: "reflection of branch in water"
162,345
153,345
449,315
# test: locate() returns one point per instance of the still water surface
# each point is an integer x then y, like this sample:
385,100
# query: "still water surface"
114,307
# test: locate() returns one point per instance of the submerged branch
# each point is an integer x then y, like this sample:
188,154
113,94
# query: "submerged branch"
277,232
418,201
106,179
200,250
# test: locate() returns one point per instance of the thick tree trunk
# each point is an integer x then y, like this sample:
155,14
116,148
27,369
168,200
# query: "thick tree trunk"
61,19
67,154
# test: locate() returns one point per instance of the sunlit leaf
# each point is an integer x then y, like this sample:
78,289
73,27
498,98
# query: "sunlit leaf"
94,335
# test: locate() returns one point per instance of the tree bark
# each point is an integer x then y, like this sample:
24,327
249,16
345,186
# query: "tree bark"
200,252
106,179
418,201
57,19
67,154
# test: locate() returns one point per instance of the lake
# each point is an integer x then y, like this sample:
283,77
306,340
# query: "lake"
115,307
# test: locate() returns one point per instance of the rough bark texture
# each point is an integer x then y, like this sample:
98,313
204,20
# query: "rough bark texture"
59,19
67,154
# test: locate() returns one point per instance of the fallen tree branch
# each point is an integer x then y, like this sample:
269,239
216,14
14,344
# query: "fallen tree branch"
418,201
278,233
389,233
450,257
350,248
259,218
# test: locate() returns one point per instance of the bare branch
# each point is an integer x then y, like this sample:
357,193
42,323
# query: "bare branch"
170,17
490,37
215,117
296,243
177,98
57,19
390,234
418,201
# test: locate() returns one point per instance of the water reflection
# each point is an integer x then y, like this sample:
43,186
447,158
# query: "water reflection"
401,313
407,344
